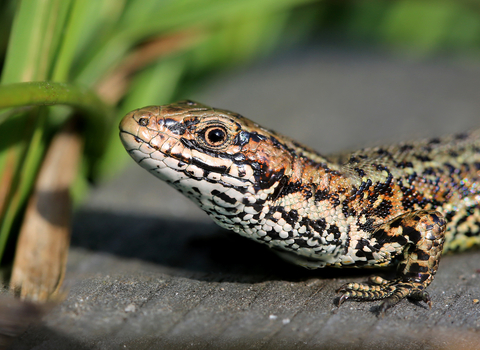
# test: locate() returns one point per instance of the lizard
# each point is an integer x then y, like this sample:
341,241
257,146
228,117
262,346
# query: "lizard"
401,205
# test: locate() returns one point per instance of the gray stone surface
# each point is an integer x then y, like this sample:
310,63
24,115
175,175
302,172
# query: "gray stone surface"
148,269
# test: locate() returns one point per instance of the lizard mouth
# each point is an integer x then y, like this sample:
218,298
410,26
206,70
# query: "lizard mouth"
156,159
150,143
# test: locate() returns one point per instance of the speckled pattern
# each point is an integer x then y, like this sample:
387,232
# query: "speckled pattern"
400,205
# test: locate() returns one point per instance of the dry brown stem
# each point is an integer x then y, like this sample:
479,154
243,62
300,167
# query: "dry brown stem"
42,247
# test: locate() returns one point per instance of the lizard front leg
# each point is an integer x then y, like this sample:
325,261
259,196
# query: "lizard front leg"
421,234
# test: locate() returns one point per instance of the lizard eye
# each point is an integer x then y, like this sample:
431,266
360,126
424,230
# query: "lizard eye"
215,136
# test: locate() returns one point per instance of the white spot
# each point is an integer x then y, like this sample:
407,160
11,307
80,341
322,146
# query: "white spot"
172,163
331,248
250,198
214,176
130,308
232,192
233,171
377,256
233,181
157,156
194,171
250,210
347,260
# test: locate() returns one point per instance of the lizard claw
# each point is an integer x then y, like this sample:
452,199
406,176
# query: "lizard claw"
342,299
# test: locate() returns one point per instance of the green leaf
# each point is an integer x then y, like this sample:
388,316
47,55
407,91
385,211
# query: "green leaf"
173,16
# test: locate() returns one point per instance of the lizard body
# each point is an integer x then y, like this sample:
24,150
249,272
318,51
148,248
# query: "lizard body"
399,205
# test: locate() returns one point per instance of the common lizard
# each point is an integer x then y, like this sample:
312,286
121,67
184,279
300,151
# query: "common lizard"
400,205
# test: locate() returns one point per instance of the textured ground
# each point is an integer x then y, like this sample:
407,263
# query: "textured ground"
149,270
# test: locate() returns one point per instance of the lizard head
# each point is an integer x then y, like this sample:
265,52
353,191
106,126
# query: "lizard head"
218,158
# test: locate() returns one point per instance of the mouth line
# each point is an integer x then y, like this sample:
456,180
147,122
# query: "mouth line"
169,155
222,170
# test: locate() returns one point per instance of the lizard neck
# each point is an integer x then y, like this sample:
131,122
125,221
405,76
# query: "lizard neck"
312,189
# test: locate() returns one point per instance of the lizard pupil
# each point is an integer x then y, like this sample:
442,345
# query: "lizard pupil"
216,136
143,121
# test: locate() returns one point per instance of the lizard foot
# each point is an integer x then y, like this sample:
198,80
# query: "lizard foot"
378,288
422,234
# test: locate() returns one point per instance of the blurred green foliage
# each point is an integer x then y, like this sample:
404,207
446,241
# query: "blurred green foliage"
413,27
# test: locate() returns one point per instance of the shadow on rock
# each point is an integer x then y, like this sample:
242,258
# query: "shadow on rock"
216,254
35,336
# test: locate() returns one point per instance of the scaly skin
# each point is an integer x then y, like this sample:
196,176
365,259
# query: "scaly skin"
401,205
